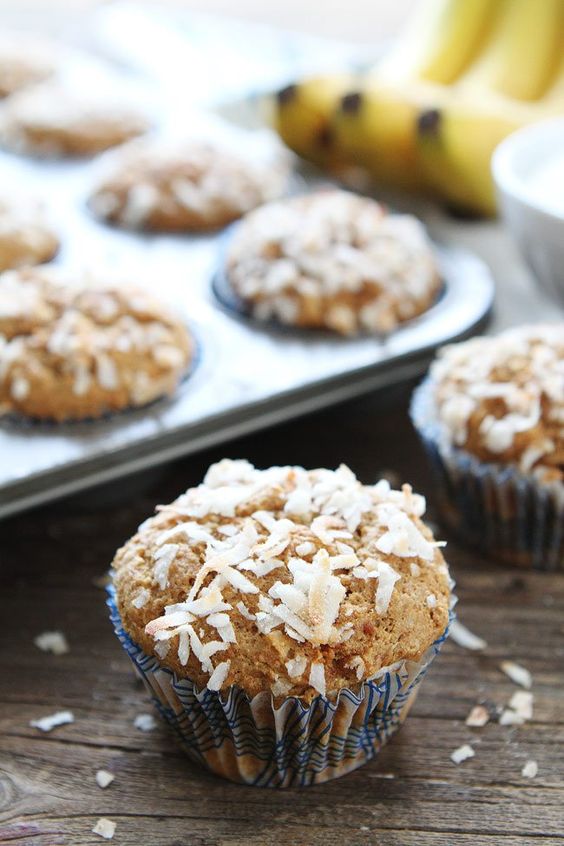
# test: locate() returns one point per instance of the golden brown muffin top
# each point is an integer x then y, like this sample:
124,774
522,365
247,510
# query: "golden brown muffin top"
195,184
55,120
285,580
76,348
502,398
333,259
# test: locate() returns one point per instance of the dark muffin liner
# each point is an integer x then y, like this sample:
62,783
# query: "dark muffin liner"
289,744
505,513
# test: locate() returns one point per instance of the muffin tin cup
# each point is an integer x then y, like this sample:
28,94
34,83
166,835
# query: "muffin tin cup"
290,744
506,514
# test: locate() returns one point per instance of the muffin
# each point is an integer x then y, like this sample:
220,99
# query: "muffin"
25,236
282,618
53,121
332,260
192,186
80,349
491,415
24,60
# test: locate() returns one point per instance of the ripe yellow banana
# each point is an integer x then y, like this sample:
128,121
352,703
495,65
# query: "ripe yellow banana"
376,127
441,40
301,115
524,46
456,144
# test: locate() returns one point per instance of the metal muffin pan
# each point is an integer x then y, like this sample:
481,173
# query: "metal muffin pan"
248,375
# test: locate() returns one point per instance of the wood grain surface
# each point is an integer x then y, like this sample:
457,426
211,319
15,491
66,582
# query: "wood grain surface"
412,794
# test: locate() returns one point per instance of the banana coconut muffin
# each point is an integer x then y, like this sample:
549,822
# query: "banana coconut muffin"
26,238
51,120
332,260
491,414
80,348
283,618
195,185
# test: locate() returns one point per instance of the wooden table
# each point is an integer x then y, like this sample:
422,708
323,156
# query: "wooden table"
412,794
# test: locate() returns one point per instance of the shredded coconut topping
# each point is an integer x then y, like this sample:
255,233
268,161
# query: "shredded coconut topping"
502,398
333,259
313,546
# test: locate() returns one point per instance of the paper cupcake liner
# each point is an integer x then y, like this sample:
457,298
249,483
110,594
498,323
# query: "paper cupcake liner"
255,742
506,514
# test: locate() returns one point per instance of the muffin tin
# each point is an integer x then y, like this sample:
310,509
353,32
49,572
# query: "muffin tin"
248,375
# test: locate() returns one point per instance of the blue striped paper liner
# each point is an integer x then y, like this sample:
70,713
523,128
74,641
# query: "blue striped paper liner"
256,742
505,513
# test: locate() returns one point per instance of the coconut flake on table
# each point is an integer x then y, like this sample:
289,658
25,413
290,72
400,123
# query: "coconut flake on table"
144,722
519,710
60,718
54,642
104,778
478,717
518,674
465,638
530,769
105,828
462,754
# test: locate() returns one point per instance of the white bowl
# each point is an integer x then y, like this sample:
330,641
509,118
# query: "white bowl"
537,226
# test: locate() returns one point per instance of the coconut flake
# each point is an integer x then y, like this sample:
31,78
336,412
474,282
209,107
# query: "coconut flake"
104,778
357,664
530,769
183,647
141,598
465,638
387,577
60,718
522,703
305,548
518,674
431,600
296,666
317,677
105,828
478,717
163,558
144,722
414,569
403,538
244,611
462,754
54,642
218,676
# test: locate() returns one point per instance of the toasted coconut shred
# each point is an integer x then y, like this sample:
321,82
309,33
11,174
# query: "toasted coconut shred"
314,546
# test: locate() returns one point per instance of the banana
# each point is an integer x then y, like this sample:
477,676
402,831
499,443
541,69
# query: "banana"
456,145
376,127
301,114
441,40
525,43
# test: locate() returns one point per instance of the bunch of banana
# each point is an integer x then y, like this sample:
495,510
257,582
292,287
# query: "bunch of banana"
429,116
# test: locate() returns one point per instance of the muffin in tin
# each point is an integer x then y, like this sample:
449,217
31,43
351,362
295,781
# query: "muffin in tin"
283,618
491,415
26,236
79,348
332,260
25,59
191,185
52,120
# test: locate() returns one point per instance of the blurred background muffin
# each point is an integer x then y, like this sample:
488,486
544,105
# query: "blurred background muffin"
71,350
